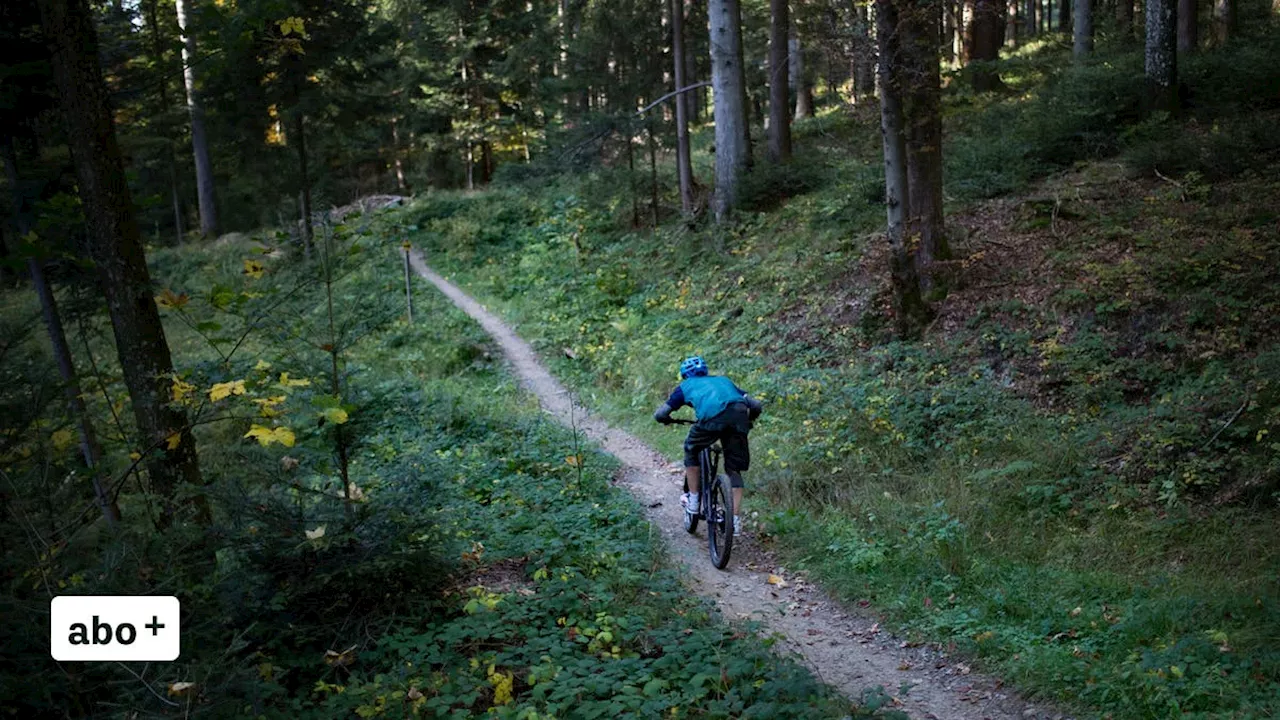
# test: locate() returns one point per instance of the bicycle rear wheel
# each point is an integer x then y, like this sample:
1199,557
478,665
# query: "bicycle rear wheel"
719,523
690,518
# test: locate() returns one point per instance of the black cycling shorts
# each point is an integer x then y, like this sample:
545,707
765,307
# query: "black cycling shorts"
730,428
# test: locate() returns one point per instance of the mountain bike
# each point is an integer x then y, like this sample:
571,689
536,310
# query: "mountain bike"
715,504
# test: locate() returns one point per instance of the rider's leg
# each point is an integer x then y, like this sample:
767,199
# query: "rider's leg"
691,477
735,480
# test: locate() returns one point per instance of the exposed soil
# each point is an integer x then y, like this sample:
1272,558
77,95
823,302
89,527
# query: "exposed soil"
842,646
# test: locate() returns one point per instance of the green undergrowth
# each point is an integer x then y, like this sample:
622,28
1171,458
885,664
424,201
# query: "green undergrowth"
486,564
1071,477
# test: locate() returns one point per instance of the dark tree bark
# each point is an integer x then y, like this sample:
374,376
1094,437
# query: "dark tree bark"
299,132
1124,19
919,27
909,309
779,71
115,246
1188,27
1065,20
984,44
864,52
684,164
1224,21
733,149
1162,55
1082,38
199,142
1031,17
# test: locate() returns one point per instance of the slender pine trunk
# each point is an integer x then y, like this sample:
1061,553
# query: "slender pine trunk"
908,306
779,70
1162,55
684,164
1188,27
199,142
1082,33
733,151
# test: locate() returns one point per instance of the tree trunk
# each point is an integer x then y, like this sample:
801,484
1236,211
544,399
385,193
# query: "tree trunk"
1032,27
89,448
115,246
653,173
909,311
1124,19
401,185
779,74
1162,55
684,164
1065,20
1224,21
304,183
1082,37
1011,25
799,77
157,52
864,52
728,84
1188,27
919,25
984,44
199,143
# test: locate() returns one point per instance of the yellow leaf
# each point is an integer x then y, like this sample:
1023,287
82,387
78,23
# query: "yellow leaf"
265,436
181,390
267,405
315,534
179,688
254,269
573,460
286,382
335,415
135,456
284,436
173,441
777,580
355,492
222,390
262,365
62,439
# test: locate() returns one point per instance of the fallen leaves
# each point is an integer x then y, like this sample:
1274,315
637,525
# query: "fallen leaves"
315,534
777,580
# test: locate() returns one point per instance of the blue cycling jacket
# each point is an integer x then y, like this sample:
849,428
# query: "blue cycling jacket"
708,395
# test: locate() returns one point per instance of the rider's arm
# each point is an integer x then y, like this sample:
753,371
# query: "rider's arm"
754,406
673,403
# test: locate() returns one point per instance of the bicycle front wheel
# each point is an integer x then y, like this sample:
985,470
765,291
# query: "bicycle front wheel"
720,523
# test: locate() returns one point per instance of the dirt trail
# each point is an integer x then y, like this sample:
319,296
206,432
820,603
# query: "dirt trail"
843,647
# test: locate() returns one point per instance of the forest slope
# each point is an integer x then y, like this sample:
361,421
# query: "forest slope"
1070,475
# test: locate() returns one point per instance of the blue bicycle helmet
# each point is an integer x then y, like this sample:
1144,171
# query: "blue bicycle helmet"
693,367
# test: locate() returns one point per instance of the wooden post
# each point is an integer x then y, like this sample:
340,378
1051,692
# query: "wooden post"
408,284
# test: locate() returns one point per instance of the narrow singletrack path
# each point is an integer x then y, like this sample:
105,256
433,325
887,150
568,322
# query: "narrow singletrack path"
843,647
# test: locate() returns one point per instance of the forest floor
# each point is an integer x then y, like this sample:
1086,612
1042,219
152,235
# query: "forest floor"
843,646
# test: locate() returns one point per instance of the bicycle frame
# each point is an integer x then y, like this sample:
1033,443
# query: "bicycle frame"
718,514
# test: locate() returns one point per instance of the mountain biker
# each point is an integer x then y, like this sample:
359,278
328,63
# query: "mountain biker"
725,413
